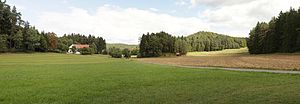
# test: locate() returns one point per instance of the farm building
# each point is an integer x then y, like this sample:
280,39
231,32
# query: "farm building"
76,47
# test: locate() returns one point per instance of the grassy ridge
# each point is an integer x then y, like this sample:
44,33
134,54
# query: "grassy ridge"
59,78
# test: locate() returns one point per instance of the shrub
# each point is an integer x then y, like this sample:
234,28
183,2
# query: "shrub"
135,51
139,55
86,51
115,52
104,52
168,54
55,51
126,52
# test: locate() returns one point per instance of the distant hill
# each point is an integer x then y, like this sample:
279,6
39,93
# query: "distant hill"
209,41
121,46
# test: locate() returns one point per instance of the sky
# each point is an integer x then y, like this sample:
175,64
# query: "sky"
125,21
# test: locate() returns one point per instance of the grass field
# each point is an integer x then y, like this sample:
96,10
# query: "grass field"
74,79
233,58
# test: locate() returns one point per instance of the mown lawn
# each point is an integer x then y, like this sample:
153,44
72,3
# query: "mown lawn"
63,79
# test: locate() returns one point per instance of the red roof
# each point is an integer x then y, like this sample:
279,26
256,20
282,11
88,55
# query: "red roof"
79,46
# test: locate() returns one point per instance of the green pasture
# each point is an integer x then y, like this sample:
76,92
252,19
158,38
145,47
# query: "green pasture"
76,79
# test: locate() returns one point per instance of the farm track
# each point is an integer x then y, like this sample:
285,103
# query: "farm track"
234,69
248,70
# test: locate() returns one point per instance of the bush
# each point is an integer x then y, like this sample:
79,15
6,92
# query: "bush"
139,55
62,47
126,52
115,52
135,52
168,54
104,52
86,51
55,51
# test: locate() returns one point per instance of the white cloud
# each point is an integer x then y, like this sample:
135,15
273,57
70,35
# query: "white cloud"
238,19
218,2
126,25
65,1
117,24
181,2
154,9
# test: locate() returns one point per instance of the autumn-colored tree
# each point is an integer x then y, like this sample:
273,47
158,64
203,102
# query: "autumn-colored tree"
52,41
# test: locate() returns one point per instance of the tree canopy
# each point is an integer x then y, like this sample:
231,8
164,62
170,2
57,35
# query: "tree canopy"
281,34
156,44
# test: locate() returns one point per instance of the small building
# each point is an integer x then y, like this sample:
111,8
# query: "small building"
76,48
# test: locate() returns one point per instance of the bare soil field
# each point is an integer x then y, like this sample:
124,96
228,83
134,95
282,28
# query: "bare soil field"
269,61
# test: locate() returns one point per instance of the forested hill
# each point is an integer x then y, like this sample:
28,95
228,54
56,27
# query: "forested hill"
209,41
121,46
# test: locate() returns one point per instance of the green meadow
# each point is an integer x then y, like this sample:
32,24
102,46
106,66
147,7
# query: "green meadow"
97,79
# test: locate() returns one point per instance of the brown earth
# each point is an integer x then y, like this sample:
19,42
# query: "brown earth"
270,61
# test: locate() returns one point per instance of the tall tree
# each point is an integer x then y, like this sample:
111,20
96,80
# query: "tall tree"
43,47
181,46
3,42
18,39
14,17
31,39
52,41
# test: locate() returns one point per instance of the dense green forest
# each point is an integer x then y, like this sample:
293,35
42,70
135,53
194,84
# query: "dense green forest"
281,34
16,35
158,44
209,41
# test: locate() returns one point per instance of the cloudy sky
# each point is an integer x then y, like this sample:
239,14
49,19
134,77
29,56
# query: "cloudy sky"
124,21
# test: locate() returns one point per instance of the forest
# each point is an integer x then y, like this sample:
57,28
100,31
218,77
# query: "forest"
156,44
17,35
281,34
209,41
162,43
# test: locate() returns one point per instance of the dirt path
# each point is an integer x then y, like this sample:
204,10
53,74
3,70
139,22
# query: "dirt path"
248,70
235,69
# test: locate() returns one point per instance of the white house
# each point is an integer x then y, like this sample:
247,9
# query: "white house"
77,47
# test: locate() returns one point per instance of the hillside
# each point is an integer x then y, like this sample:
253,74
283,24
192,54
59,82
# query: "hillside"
209,41
121,46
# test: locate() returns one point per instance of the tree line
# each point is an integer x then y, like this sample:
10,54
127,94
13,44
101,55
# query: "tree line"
97,44
119,53
16,35
156,44
281,34
164,44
